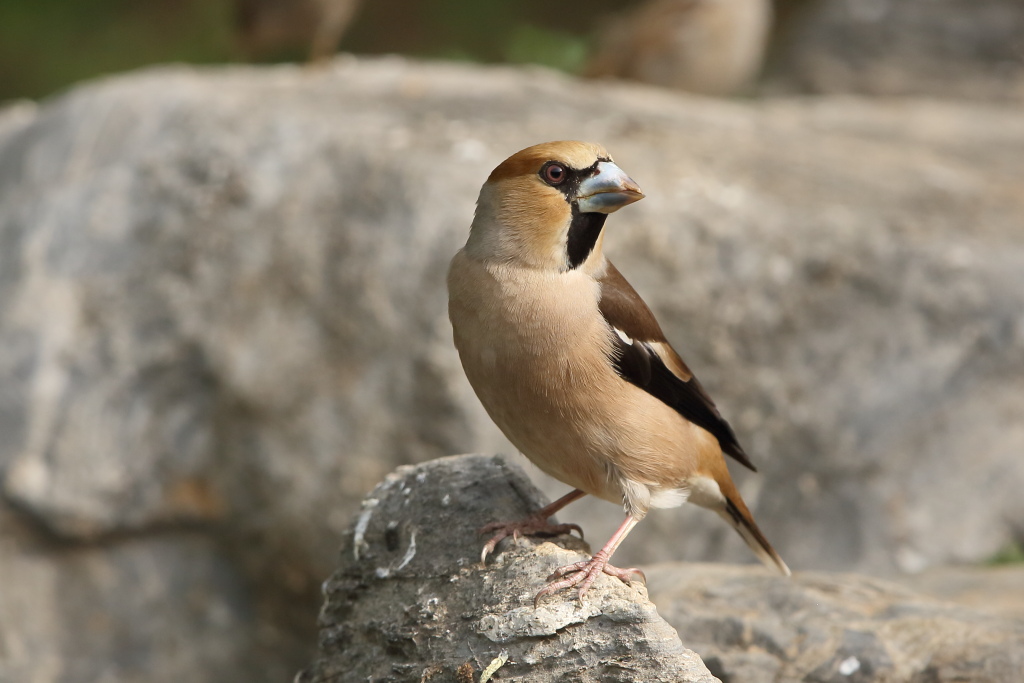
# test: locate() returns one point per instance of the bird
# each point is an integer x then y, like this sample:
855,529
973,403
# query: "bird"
268,28
571,364
712,47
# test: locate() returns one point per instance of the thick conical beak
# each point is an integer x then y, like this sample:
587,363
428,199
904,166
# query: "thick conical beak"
608,190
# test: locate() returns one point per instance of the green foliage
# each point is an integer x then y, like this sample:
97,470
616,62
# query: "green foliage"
48,44
1012,553
557,49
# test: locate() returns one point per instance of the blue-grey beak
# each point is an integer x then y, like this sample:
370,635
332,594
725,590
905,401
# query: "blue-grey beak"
608,190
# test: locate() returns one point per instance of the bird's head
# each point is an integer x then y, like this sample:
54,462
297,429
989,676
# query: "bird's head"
545,206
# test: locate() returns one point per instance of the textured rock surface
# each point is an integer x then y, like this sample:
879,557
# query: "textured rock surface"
750,627
168,607
942,48
411,601
993,590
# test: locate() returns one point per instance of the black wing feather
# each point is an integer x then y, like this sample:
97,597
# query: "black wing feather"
640,365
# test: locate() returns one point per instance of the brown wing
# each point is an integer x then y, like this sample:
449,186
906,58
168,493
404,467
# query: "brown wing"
645,358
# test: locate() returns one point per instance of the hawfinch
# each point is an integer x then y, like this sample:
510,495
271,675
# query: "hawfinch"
570,362
715,47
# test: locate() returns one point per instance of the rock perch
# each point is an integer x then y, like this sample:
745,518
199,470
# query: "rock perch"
411,601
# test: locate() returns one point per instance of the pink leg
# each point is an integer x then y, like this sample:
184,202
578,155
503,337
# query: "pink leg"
586,572
535,525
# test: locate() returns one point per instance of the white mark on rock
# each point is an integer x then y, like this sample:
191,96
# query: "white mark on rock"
385,572
359,538
849,666
409,553
447,499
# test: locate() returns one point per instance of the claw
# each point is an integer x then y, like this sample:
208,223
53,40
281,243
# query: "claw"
528,527
535,525
633,571
584,574
492,544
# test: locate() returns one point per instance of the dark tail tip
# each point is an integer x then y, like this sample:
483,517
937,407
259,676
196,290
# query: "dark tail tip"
740,518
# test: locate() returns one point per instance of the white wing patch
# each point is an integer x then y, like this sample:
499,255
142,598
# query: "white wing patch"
623,336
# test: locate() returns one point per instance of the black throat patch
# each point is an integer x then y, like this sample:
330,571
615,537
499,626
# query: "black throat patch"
584,230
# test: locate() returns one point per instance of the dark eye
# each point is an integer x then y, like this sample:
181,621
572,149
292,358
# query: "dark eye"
553,174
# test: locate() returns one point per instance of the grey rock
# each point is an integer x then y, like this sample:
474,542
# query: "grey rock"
972,49
830,628
410,600
222,305
169,607
998,591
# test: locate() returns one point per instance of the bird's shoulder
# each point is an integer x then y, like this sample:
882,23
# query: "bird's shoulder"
630,316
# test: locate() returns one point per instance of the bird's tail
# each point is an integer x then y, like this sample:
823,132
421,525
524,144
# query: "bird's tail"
736,513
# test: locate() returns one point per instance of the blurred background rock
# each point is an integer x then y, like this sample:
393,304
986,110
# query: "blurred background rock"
937,48
222,311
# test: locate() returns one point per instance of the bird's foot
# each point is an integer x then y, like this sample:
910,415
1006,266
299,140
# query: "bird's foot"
531,526
584,574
